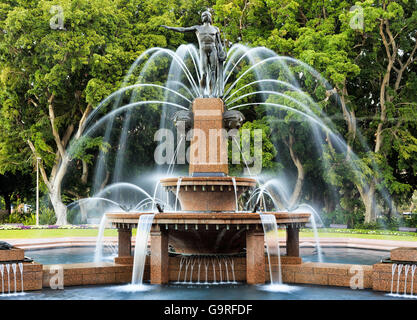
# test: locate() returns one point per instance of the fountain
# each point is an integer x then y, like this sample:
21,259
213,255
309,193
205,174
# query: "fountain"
12,262
210,226
209,221
402,264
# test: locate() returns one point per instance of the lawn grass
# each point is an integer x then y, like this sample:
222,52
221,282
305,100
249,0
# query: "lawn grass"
53,233
359,236
62,233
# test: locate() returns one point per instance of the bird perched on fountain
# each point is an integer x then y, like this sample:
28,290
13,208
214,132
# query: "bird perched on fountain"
159,207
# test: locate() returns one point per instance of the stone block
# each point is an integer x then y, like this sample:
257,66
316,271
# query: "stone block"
14,254
309,278
404,254
255,258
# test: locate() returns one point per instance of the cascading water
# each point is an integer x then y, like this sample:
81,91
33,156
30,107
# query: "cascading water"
400,268
8,276
141,247
192,263
20,264
220,269
235,188
213,264
394,266
406,268
14,276
283,97
183,75
98,254
192,269
187,264
177,192
269,224
413,269
181,264
199,268
232,264
227,271
2,277
206,265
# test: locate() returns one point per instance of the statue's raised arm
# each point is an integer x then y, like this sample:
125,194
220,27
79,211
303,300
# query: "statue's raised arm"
181,29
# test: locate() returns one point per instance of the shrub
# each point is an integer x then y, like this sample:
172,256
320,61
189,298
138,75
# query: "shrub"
47,216
341,216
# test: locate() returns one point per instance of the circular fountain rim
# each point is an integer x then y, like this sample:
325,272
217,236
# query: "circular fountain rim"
209,180
209,217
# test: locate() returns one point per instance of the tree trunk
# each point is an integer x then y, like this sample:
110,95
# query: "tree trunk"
61,161
59,208
55,192
329,204
8,203
368,199
295,197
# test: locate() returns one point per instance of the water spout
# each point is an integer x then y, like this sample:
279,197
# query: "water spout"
413,269
407,267
21,274
400,267
98,254
177,192
14,276
269,224
8,276
394,266
181,264
235,188
2,278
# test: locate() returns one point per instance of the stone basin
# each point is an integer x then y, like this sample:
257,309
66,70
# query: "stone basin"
208,194
207,233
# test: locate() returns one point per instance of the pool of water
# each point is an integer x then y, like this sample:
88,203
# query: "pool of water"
333,255
204,292
201,292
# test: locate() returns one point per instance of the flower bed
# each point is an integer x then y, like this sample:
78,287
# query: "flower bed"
364,231
47,227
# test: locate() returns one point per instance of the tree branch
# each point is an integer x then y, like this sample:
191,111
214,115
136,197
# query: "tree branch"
55,132
42,169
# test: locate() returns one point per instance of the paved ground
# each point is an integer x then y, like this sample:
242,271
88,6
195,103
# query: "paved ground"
304,242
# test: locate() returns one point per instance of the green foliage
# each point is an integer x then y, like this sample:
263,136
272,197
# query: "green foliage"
341,216
47,216
85,61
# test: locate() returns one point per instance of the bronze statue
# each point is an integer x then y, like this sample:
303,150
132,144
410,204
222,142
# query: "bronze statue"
212,54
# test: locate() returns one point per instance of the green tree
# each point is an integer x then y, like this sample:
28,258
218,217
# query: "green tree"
53,77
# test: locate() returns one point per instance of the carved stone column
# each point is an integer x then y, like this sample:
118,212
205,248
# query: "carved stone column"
125,244
159,256
293,241
255,257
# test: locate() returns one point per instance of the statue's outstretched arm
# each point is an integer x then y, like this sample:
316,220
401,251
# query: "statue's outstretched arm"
181,29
